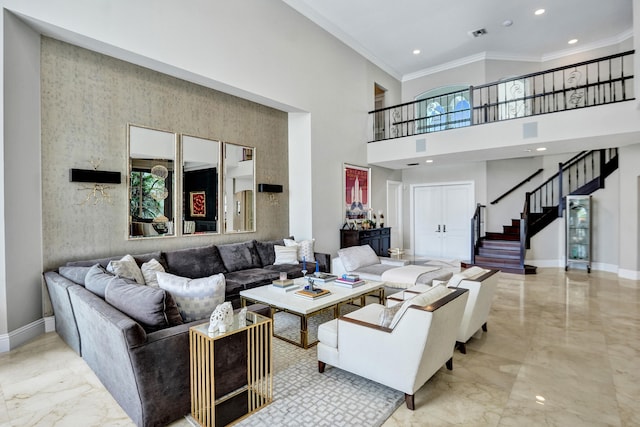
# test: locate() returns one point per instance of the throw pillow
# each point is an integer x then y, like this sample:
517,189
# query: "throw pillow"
266,252
421,300
128,268
153,308
285,255
355,257
97,280
239,256
75,274
149,270
387,314
196,298
305,249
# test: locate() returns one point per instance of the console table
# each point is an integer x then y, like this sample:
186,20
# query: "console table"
231,372
378,238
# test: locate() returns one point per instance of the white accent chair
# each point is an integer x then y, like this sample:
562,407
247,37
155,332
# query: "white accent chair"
481,288
403,356
481,284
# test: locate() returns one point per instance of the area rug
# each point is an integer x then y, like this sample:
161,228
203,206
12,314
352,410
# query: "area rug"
305,397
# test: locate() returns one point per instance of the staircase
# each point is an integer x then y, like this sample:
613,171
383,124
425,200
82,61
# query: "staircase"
503,251
583,174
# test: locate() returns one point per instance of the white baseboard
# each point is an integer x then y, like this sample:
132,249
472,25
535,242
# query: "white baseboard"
49,324
597,266
629,274
21,335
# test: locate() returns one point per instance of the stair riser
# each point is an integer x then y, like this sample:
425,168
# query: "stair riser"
500,244
502,236
496,253
497,261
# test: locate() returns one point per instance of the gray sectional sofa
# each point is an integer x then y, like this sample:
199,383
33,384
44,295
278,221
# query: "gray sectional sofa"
143,358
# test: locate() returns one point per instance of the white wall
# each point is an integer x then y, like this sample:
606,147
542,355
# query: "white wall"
20,204
258,49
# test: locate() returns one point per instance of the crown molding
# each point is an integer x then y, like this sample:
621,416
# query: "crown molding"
506,56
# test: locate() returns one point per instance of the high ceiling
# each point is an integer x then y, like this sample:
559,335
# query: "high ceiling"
387,32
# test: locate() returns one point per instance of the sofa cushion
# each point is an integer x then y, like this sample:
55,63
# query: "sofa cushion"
194,263
285,255
293,270
266,252
196,298
126,267
355,257
149,270
239,256
430,296
304,248
252,277
153,308
97,280
75,274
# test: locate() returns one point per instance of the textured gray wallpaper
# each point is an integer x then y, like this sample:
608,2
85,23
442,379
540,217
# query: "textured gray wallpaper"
87,101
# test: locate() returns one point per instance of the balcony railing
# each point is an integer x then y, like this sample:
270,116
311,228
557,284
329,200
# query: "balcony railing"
586,84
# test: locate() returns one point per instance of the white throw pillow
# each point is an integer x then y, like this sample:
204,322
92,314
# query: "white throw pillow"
149,270
285,255
355,257
305,249
128,268
196,298
421,300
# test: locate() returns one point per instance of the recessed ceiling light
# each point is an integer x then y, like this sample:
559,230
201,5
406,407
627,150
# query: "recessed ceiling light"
507,23
429,161
539,12
573,41
541,149
416,51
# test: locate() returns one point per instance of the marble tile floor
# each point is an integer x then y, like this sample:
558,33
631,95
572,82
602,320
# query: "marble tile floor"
562,349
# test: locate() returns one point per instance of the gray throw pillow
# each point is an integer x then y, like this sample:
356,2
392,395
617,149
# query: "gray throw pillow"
97,280
266,251
239,256
151,307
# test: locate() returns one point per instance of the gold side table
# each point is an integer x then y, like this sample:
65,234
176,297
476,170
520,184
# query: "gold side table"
231,372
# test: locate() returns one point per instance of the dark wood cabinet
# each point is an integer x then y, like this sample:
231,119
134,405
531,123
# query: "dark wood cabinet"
378,238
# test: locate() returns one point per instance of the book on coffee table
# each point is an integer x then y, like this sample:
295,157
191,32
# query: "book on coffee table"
282,283
323,277
317,293
348,283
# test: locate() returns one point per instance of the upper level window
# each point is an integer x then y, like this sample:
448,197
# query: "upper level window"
443,108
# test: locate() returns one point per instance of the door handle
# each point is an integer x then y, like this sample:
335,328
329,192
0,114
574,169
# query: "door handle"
444,228
438,230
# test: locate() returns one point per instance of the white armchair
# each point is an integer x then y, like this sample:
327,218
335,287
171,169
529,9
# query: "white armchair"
482,286
419,339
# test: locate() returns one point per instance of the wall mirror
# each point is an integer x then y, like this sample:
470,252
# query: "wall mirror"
200,185
239,188
152,184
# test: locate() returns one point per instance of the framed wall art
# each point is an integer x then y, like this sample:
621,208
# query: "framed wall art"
356,191
197,203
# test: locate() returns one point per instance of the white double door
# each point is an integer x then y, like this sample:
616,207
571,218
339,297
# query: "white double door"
441,220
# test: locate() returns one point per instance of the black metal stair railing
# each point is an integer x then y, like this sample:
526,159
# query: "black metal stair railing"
585,84
582,174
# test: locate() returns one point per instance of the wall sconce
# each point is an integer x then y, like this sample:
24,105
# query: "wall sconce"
269,188
98,191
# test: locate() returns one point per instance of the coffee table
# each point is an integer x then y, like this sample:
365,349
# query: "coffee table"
288,302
